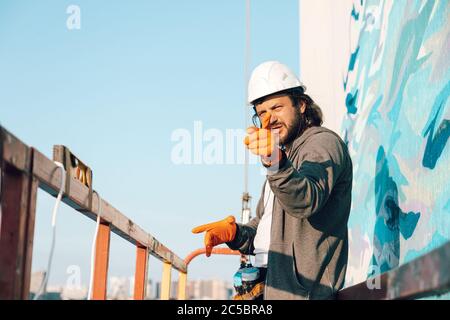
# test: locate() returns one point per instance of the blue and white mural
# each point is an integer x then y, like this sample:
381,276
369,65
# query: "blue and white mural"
397,127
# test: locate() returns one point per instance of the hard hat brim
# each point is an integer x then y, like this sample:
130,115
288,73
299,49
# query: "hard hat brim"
284,91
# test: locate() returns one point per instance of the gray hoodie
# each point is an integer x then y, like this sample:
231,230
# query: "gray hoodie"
309,245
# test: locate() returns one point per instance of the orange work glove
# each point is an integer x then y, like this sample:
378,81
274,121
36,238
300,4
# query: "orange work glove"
263,143
217,232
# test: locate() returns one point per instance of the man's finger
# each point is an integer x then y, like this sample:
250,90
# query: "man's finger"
204,227
208,251
266,120
258,151
259,135
259,143
209,243
250,130
261,150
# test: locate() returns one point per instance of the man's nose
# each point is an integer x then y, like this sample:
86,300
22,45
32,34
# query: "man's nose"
273,119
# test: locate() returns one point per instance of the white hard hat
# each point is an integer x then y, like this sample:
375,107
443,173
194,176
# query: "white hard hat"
271,77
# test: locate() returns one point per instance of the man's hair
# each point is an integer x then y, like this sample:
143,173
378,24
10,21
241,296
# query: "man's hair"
312,117
313,113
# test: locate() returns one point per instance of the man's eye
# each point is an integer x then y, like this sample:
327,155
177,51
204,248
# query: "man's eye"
261,114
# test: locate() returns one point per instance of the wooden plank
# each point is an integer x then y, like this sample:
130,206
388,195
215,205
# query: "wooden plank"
49,175
18,204
182,280
29,236
100,285
75,168
140,276
14,152
13,203
127,229
166,281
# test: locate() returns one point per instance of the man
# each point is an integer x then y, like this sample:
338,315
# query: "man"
299,233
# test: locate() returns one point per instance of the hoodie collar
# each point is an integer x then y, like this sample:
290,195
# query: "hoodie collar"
300,140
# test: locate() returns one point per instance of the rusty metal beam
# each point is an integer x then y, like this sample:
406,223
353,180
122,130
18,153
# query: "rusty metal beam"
100,285
182,281
18,192
140,275
166,281
361,291
425,276
428,275
217,250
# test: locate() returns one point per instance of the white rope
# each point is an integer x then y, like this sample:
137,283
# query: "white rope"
43,287
94,247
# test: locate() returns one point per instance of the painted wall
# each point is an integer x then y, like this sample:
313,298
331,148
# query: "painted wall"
391,105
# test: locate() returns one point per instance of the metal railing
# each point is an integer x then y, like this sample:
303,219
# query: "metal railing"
23,170
215,251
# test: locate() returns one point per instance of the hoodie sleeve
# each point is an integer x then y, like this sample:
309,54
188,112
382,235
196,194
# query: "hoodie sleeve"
245,233
303,191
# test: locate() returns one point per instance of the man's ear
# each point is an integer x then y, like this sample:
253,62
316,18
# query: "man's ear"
302,107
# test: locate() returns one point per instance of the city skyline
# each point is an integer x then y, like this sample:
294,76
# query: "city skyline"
121,288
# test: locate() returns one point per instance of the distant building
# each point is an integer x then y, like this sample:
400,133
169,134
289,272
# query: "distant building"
36,280
157,290
119,288
122,288
74,293
209,290
199,290
51,293
150,295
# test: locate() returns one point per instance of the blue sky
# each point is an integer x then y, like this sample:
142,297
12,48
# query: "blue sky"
115,90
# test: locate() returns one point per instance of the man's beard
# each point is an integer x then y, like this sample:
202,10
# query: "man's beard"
294,130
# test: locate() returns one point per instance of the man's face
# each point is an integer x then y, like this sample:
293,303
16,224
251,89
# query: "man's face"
285,118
